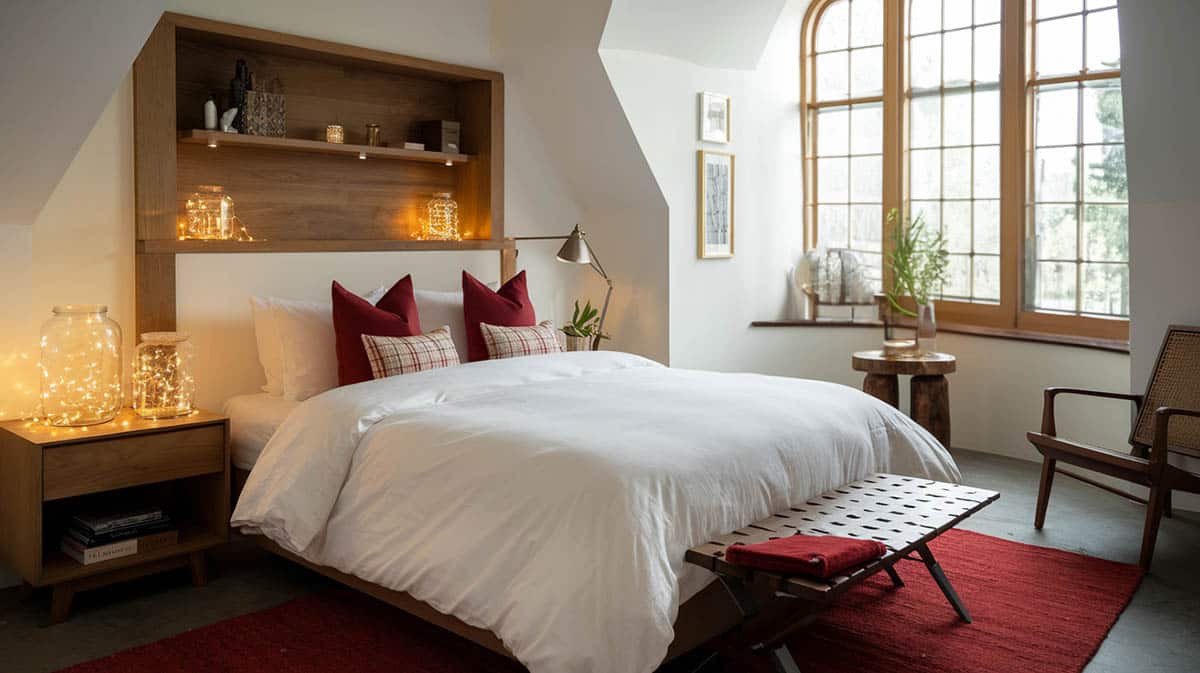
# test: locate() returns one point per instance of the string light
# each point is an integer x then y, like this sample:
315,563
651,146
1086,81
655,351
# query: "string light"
163,386
441,219
80,366
208,216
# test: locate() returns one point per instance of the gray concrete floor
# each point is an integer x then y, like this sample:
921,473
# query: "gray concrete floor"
1158,633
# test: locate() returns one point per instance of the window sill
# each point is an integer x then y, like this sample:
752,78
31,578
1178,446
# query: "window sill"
1111,345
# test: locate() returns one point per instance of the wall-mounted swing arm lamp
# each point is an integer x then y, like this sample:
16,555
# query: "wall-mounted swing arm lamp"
577,250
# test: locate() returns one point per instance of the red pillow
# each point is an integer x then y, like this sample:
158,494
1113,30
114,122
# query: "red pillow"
507,307
353,316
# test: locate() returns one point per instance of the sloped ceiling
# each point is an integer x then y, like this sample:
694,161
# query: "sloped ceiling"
710,33
60,61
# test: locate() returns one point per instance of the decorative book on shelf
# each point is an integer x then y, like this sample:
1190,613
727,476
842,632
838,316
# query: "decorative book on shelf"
96,537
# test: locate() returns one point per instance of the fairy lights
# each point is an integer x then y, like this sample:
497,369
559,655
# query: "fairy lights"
163,386
80,366
441,219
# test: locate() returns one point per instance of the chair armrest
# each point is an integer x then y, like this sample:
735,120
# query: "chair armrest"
1048,424
1162,421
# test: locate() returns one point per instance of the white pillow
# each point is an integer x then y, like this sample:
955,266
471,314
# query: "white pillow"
296,345
444,308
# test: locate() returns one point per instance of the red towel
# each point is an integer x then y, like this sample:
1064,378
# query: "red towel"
814,555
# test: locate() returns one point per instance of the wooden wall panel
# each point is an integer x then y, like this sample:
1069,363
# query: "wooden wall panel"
317,93
154,134
286,195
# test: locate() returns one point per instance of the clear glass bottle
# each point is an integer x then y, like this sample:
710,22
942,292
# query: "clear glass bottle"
441,219
210,215
163,386
80,366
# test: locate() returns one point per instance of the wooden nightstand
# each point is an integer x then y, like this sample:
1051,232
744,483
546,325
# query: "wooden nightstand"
50,473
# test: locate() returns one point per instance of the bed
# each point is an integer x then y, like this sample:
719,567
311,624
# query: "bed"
542,506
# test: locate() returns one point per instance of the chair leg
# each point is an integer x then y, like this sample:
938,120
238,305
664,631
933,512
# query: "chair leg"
1154,512
1167,512
1043,500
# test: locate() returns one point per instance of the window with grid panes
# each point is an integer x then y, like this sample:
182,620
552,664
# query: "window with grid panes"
847,121
1077,252
937,104
953,98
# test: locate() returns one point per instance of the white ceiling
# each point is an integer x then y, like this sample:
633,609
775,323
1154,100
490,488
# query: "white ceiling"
711,33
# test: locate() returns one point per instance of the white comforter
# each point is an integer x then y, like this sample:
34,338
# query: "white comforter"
550,499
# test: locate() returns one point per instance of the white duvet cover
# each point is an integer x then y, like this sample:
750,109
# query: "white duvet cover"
550,499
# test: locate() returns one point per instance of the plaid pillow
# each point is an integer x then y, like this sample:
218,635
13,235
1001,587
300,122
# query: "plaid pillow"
390,356
513,342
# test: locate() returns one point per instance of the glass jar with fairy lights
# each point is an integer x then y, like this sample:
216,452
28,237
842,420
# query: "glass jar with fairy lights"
163,386
440,222
80,366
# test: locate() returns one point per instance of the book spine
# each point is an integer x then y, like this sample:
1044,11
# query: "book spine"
89,540
88,556
98,527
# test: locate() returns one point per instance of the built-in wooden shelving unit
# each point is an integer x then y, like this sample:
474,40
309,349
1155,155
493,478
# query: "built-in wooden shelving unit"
299,193
217,139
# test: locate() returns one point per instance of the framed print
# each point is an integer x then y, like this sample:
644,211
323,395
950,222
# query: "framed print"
715,204
714,117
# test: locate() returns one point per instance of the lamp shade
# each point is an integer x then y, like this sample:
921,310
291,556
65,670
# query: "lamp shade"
575,249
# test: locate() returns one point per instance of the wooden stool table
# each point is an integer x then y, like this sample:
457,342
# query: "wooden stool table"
904,513
929,392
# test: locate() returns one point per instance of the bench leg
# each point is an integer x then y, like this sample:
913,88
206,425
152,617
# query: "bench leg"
778,653
943,583
896,581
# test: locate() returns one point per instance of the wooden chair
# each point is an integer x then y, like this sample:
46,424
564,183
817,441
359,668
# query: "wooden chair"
1168,421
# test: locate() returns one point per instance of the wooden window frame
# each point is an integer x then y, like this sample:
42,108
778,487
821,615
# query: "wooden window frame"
1017,84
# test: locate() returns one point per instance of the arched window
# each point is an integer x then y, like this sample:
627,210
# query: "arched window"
998,122
845,120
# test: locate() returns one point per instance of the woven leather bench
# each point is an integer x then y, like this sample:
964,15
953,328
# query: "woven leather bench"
904,513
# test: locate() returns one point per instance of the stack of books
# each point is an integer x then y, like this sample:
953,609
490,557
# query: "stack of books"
103,536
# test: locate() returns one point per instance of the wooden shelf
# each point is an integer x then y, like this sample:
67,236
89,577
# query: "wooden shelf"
173,246
203,137
58,567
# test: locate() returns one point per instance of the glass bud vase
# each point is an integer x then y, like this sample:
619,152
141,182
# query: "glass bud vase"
80,366
926,329
163,386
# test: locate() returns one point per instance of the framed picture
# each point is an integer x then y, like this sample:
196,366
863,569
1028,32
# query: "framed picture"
714,117
715,204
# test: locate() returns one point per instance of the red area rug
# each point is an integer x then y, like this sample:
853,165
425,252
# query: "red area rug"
1036,610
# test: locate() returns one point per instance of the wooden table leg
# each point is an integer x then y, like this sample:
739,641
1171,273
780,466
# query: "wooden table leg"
929,404
199,565
61,597
883,386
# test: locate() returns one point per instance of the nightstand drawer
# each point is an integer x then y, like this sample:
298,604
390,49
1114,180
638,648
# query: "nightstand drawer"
90,467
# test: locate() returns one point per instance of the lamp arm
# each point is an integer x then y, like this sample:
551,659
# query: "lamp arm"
603,314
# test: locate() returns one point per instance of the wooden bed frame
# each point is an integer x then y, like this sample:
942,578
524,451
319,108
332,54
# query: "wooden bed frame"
705,616
186,57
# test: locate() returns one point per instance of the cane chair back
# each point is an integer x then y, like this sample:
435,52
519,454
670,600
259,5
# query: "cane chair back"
1175,382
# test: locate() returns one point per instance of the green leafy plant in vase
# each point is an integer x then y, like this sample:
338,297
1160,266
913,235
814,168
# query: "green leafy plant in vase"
918,261
583,332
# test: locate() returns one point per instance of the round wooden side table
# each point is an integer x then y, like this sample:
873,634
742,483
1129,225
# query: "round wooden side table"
929,392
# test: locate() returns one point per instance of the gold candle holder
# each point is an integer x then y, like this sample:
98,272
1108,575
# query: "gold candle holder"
334,133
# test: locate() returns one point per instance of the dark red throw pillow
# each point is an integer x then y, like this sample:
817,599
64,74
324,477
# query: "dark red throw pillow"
353,316
508,307
814,555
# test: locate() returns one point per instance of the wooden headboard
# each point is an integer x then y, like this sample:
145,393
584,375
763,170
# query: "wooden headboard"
295,194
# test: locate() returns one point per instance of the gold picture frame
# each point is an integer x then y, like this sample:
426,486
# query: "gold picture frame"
714,204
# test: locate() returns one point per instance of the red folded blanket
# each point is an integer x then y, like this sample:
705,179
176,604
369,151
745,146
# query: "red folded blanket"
813,555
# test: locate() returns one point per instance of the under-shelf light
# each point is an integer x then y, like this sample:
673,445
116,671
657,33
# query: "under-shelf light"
449,162
362,155
212,141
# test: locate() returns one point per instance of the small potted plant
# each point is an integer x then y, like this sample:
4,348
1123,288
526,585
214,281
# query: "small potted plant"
918,261
583,332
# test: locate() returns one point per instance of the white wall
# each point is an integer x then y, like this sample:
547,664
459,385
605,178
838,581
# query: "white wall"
1159,52
996,395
